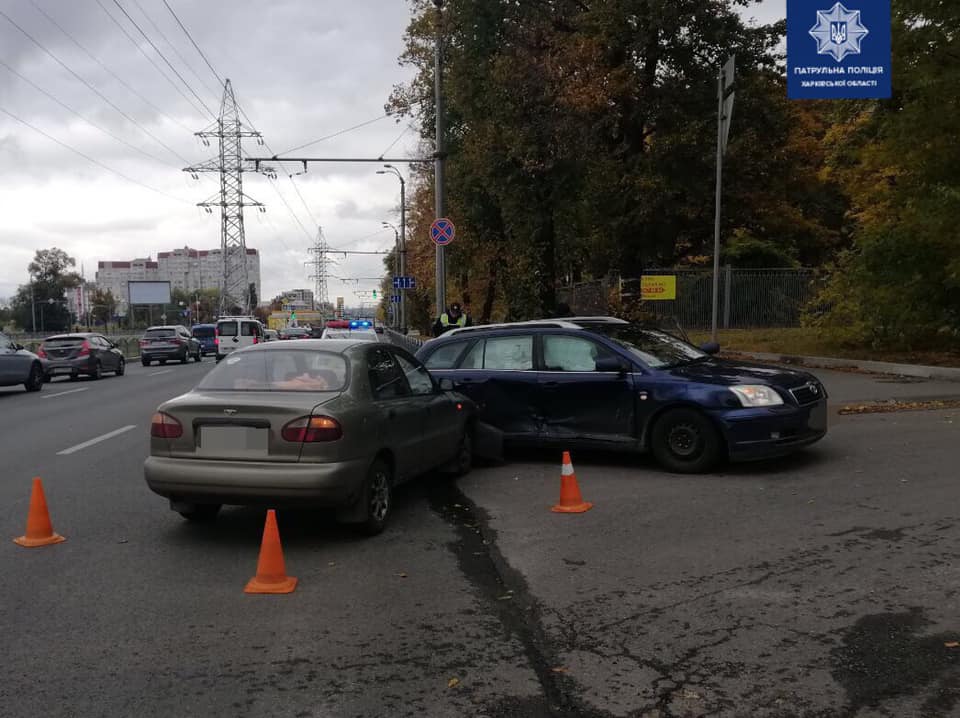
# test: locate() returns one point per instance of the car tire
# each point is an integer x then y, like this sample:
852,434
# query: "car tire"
201,513
685,441
163,362
47,378
34,380
121,367
462,462
377,498
198,357
74,377
97,372
145,362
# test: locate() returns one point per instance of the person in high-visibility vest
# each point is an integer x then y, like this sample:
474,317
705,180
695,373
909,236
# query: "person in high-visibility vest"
453,318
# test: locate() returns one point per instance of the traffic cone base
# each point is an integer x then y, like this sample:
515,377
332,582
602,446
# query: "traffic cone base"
571,502
271,571
34,542
39,529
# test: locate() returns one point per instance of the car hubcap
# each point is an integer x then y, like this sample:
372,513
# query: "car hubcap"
379,496
684,440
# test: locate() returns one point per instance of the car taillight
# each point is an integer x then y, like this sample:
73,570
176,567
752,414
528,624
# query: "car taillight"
256,340
85,349
216,337
144,342
41,353
164,426
310,429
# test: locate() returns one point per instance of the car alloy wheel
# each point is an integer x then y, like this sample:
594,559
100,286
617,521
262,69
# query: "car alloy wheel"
379,500
97,371
121,367
34,379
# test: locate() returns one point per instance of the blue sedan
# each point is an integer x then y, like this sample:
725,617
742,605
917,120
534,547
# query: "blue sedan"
608,384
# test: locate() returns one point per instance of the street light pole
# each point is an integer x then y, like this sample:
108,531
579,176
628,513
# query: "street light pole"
438,178
403,243
396,267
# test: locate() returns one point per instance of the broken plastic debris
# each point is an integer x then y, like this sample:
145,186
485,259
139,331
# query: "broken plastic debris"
453,682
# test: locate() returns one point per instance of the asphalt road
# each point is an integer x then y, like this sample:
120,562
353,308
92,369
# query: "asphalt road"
821,585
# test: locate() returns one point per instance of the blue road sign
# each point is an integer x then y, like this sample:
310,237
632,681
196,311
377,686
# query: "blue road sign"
838,50
395,298
442,231
404,283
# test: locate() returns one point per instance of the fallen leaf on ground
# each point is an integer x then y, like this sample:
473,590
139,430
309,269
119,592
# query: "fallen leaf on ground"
888,407
952,644
453,683
402,574
560,669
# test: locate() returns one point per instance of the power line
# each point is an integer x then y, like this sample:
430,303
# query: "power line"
114,75
164,58
153,62
399,137
335,134
87,157
196,46
94,89
89,122
290,209
173,47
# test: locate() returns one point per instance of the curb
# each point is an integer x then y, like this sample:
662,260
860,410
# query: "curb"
915,370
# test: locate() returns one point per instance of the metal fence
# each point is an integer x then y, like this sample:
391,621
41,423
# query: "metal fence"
749,298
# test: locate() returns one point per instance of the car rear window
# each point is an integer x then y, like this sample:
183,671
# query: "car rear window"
203,332
249,329
63,341
227,329
161,333
278,371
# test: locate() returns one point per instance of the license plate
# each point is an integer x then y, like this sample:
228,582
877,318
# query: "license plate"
233,441
818,417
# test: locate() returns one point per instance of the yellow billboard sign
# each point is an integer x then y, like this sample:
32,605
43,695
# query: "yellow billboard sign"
658,286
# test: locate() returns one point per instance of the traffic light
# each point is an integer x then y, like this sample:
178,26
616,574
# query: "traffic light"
374,293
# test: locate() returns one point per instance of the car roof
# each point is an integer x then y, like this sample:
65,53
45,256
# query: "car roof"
164,326
195,326
72,335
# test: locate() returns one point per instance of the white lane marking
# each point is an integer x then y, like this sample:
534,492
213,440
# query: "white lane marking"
64,393
97,440
158,373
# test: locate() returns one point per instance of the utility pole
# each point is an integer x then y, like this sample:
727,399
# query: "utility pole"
724,115
396,270
438,178
229,164
402,249
320,265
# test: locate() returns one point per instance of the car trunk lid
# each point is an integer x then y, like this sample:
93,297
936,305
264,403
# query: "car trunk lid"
63,348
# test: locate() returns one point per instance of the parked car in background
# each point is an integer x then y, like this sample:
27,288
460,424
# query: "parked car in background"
168,343
270,335
206,334
81,354
614,385
295,333
360,335
311,423
235,333
18,366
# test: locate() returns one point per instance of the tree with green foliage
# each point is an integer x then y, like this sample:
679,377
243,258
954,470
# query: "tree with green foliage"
41,303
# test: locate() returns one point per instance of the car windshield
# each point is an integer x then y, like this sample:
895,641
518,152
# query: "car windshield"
656,349
160,333
291,370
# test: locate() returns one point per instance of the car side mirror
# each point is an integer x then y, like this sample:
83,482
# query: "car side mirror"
19,347
611,364
710,348
446,384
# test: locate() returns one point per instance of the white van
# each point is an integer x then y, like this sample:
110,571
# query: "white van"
236,333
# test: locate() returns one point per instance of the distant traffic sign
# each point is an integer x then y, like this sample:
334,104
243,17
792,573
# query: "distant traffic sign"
404,283
395,298
442,231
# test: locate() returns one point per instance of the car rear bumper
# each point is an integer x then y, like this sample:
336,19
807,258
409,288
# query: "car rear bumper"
256,482
149,353
67,367
768,433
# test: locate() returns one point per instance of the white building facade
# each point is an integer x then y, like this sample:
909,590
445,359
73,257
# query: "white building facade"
186,269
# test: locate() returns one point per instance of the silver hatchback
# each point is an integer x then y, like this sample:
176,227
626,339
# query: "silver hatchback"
334,423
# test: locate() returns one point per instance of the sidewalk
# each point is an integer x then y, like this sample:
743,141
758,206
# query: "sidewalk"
939,373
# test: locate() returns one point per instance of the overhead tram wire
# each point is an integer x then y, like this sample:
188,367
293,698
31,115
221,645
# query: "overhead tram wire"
153,62
164,58
335,134
88,121
107,69
176,51
94,89
87,157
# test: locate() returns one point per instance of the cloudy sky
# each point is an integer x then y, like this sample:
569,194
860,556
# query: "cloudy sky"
302,69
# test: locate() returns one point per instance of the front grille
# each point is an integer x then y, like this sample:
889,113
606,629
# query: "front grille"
807,394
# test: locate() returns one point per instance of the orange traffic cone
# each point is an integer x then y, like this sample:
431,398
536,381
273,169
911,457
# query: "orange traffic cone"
271,572
571,502
39,529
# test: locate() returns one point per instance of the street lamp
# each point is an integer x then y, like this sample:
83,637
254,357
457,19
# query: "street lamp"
403,240
397,271
438,174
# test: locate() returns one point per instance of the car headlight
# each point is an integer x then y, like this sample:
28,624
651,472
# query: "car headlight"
757,395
